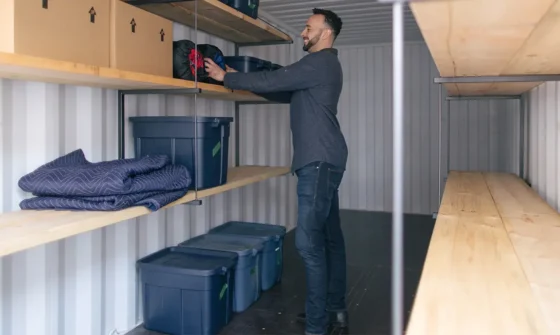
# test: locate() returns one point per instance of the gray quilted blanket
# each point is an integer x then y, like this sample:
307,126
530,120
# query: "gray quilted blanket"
72,183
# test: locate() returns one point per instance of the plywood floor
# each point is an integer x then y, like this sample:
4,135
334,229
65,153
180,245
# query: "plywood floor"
368,239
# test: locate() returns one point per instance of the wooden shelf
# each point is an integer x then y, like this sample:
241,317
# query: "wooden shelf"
492,265
491,38
25,229
22,67
216,18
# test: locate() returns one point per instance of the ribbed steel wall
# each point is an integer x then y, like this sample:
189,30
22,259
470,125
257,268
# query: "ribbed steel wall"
544,141
88,284
481,131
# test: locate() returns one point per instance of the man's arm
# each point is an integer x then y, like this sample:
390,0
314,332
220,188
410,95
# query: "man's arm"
297,76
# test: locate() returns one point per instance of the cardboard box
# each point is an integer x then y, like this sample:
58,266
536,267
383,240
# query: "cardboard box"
140,41
69,30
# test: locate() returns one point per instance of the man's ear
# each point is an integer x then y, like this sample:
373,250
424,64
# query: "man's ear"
326,33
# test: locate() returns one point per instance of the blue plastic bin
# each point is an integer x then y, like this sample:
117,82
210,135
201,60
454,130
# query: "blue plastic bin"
174,136
247,284
187,291
273,238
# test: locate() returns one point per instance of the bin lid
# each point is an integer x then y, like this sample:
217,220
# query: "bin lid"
241,245
262,230
191,261
179,119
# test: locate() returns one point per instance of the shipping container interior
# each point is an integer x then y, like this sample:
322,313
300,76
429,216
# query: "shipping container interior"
449,230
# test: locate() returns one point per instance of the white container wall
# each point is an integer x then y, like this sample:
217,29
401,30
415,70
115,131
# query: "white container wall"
543,142
483,134
88,284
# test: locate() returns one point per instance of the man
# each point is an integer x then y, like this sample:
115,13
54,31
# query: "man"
312,86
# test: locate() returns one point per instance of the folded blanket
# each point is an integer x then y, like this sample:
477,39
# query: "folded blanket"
71,182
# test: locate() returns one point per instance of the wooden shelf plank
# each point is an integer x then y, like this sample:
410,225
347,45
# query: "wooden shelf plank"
22,67
473,281
20,230
491,38
534,229
216,18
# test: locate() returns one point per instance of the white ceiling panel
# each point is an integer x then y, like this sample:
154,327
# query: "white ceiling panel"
363,21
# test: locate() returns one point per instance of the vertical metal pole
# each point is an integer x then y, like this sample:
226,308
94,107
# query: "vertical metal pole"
237,126
397,254
439,142
522,113
448,138
120,124
196,158
236,120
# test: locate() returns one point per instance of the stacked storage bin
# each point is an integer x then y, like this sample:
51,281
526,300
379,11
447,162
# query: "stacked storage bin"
273,240
195,287
187,291
247,288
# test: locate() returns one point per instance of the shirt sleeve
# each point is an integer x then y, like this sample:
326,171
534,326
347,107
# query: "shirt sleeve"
297,76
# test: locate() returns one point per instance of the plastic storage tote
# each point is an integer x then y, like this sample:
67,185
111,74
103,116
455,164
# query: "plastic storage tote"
247,284
187,291
247,64
247,7
175,136
273,238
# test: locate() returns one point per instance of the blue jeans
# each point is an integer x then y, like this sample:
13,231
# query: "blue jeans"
320,243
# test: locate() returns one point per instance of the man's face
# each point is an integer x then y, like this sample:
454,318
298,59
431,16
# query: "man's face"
312,33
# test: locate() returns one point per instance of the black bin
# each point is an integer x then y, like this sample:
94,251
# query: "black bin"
247,64
247,7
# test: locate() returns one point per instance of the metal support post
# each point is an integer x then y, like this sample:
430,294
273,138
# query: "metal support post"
120,123
440,97
522,113
237,135
448,139
398,231
236,120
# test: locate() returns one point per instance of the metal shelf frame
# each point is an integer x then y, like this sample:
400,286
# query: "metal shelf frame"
121,94
398,135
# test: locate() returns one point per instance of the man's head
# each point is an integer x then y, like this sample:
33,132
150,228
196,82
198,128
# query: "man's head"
321,30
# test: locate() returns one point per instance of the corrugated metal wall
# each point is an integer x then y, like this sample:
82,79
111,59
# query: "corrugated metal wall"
481,135
544,141
87,284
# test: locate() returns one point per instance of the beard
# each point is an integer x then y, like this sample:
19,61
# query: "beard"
310,43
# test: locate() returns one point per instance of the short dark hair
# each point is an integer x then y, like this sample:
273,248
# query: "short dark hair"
331,19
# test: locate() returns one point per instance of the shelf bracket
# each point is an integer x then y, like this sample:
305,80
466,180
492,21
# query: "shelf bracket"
197,202
121,108
497,79
484,97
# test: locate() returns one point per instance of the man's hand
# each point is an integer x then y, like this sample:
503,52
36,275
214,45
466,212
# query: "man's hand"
214,71
229,69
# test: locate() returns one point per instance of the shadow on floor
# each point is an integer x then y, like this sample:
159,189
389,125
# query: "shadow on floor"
368,240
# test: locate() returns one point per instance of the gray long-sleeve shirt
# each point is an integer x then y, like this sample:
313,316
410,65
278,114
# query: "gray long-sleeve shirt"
312,86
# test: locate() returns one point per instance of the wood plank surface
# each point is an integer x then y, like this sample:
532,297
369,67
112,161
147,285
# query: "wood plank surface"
24,229
534,229
491,38
22,67
473,281
466,193
217,18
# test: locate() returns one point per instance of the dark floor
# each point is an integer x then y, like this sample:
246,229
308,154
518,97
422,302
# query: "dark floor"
368,240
